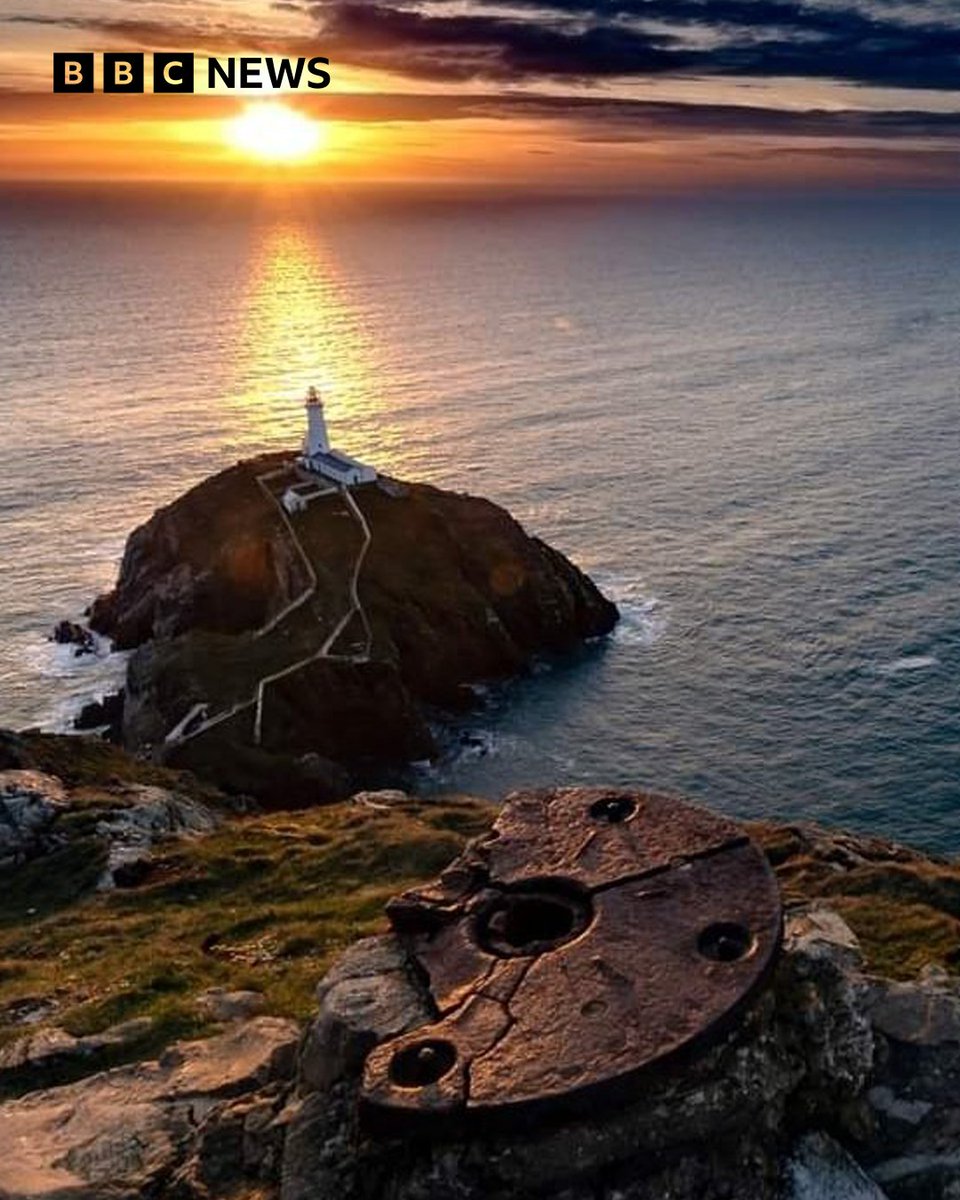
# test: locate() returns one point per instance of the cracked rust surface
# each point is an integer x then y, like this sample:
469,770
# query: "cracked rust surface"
592,937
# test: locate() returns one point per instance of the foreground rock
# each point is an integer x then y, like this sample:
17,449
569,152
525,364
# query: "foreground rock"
454,592
51,1049
121,822
144,817
836,1083
30,802
157,1128
819,1168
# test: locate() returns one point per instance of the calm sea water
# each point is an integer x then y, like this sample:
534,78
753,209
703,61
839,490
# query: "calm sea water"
740,416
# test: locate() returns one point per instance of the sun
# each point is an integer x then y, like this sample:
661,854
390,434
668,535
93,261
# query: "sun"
273,132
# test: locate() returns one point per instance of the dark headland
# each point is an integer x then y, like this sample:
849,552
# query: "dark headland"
367,614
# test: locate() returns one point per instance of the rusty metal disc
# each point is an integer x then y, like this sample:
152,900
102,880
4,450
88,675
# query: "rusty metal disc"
592,937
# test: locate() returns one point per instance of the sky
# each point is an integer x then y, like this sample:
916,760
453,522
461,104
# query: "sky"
565,95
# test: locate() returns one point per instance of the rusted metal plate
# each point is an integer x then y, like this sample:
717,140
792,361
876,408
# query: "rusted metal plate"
594,937
616,833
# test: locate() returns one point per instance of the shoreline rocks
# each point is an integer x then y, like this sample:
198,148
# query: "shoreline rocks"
105,714
71,633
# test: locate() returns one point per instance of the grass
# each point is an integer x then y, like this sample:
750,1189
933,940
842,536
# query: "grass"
92,763
265,903
903,907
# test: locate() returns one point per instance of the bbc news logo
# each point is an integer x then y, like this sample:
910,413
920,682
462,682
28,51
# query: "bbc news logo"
174,72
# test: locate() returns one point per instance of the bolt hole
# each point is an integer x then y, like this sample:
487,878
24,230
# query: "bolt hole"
422,1063
520,923
725,941
613,809
532,919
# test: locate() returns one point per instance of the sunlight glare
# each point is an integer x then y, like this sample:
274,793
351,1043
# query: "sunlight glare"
275,133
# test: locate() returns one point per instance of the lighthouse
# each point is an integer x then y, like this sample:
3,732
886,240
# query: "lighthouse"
317,440
320,458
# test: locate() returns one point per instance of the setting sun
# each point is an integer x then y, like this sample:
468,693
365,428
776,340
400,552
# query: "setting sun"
274,133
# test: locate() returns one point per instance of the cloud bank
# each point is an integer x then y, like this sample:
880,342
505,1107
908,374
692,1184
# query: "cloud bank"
883,43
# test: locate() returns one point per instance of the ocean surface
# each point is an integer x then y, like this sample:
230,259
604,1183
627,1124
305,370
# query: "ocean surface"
740,415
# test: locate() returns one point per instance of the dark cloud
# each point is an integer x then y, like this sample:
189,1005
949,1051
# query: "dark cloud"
612,120
623,119
155,34
599,39
878,43
463,46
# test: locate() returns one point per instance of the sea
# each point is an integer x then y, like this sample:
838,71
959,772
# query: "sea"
739,413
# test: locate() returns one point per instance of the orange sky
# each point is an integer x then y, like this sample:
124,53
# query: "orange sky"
510,123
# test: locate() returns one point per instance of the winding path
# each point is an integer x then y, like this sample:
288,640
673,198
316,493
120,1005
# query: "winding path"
186,730
304,558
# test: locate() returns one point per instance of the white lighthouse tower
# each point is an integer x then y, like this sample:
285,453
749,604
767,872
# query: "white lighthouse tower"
316,440
320,458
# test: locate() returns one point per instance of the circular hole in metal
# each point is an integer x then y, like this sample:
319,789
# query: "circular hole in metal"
613,809
532,919
422,1063
725,941
531,922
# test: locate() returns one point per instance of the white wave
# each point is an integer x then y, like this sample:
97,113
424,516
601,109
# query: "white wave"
465,747
79,678
910,662
56,660
643,618
474,744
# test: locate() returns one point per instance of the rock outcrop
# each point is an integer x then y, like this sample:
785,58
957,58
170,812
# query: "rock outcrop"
70,633
718,1127
836,1082
53,1049
121,824
218,590
143,817
105,714
30,802
199,1116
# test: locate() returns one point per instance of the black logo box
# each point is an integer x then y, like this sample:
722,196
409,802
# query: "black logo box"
123,72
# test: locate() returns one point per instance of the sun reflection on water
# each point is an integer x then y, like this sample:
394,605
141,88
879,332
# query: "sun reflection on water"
298,329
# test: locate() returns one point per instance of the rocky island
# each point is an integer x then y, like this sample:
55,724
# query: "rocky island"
366,611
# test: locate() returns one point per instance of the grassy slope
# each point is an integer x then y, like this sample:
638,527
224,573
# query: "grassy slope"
903,906
265,903
268,901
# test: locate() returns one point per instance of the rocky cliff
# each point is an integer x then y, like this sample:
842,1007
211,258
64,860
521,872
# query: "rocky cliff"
367,616
160,1035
